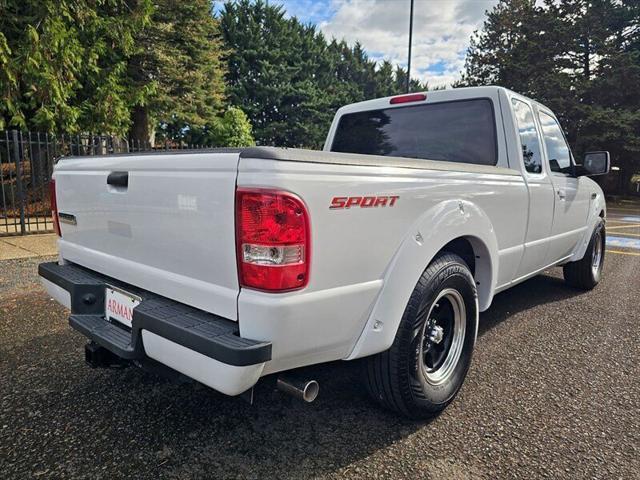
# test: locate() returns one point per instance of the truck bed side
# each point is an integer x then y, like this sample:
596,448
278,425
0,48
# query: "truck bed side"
358,253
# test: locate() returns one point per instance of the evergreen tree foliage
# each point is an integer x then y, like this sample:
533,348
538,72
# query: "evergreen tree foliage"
121,67
232,129
62,66
177,71
158,68
290,80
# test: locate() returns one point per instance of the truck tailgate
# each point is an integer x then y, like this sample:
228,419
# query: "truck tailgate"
167,228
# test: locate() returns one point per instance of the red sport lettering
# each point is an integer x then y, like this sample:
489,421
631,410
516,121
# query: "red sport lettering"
353,201
367,202
338,202
363,202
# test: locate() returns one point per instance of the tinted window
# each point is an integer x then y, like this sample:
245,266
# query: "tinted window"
528,137
462,131
557,148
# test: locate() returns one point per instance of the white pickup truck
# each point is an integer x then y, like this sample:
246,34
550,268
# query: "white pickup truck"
228,265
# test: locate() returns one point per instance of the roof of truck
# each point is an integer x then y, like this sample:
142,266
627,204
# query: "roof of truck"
448,94
376,103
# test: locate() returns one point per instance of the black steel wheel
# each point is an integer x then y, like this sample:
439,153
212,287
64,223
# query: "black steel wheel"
428,361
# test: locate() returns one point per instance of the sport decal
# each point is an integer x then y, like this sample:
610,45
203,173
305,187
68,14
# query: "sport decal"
363,202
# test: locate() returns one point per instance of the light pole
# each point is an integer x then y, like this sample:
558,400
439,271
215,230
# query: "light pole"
409,55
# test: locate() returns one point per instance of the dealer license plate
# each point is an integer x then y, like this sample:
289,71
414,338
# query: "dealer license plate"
119,305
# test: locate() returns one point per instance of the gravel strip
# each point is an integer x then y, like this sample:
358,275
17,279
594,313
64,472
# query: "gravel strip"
19,274
553,392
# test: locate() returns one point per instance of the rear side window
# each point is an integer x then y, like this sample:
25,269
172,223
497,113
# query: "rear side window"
461,131
528,137
557,148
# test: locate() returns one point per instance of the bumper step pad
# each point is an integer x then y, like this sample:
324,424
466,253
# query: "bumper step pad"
203,332
115,339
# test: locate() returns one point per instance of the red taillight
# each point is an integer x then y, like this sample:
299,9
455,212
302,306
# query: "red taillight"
273,238
412,97
54,207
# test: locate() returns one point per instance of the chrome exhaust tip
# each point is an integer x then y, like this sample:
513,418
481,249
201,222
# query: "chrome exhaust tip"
306,390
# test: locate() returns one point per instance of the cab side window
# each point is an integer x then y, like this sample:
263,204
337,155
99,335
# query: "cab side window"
557,148
528,137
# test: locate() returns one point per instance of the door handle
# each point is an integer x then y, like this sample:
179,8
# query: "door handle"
562,194
118,179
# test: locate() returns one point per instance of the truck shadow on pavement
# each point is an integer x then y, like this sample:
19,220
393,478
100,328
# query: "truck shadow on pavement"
79,421
536,291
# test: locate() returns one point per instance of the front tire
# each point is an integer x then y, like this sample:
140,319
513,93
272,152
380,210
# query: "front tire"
586,272
428,361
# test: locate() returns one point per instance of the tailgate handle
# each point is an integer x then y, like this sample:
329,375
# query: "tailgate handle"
118,179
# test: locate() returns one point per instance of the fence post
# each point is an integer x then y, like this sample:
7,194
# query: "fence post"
16,157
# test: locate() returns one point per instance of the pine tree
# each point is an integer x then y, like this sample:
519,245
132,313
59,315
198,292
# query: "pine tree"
290,80
62,66
177,71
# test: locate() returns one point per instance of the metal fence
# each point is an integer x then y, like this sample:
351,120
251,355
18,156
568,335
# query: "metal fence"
26,163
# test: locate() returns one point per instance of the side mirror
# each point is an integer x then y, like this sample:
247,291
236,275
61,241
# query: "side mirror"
595,163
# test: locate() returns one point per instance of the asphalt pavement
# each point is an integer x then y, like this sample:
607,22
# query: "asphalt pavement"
553,392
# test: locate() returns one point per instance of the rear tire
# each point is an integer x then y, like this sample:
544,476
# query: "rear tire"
428,361
586,272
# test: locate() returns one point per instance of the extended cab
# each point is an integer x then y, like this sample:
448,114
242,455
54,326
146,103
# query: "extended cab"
227,265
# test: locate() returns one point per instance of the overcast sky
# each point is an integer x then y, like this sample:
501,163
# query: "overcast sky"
442,29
